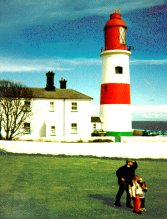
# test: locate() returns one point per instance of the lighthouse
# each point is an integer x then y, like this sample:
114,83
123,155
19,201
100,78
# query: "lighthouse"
115,104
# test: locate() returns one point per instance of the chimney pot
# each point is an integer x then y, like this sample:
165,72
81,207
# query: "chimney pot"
63,83
50,81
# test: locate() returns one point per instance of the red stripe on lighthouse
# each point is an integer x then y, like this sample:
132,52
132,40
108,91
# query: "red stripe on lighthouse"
115,93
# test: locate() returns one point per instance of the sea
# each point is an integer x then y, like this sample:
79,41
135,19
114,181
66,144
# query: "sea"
150,125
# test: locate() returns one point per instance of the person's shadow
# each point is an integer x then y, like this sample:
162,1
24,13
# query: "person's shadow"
106,200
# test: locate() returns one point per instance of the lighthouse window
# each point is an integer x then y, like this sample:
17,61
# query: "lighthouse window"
122,35
118,70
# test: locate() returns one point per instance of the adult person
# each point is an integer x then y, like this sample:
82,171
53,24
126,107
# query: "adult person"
125,176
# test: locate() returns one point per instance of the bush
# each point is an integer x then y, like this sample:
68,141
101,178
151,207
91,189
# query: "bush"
101,140
3,151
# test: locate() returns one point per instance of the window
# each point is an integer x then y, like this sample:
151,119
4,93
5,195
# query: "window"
51,106
74,106
53,131
74,128
122,35
27,128
27,106
118,70
94,126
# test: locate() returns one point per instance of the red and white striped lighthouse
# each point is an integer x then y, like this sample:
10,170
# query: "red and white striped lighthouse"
115,108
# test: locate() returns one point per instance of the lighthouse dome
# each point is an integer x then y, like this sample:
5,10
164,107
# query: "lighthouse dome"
115,33
115,20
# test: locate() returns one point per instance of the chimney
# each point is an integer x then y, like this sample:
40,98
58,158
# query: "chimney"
63,83
50,81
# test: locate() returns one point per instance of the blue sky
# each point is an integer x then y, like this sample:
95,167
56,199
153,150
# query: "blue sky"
67,36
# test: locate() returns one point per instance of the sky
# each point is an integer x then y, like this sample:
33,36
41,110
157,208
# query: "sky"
66,37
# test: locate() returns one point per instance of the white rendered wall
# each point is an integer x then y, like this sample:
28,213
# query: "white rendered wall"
117,117
131,149
61,118
82,117
98,125
111,59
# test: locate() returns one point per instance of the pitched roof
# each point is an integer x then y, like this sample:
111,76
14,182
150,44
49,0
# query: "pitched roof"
95,119
58,94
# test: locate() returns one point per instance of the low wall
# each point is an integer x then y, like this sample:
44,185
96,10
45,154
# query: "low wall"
154,150
143,139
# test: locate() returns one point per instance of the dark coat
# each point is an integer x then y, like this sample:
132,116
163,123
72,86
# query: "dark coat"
127,173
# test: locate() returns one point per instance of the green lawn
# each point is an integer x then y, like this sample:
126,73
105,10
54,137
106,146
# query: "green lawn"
74,187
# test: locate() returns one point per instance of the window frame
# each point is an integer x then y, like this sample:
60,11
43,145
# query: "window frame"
27,128
74,106
94,126
27,106
52,130
122,35
118,70
74,128
52,106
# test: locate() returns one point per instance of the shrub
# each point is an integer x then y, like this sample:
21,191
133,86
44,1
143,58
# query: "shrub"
101,140
3,151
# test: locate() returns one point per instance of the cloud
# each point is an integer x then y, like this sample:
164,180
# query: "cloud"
44,11
142,112
38,65
59,64
149,62
25,65
150,112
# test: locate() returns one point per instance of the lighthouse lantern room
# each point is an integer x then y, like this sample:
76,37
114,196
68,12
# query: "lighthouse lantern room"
115,108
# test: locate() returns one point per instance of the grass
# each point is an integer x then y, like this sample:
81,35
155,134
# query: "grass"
47,187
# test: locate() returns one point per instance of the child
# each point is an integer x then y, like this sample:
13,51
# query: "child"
142,195
135,191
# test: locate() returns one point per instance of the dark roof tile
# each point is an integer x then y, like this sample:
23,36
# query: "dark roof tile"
58,94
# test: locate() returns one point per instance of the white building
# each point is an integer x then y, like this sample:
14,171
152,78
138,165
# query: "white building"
58,113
